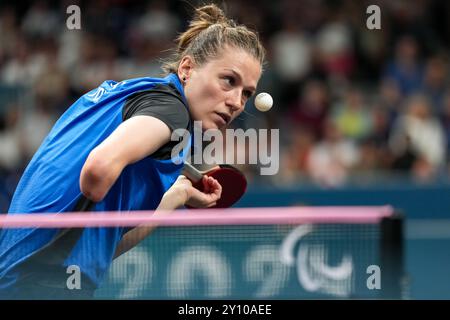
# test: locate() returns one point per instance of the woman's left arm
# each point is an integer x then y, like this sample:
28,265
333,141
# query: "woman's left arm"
182,192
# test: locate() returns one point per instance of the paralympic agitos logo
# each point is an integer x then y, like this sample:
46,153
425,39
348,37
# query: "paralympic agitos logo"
313,272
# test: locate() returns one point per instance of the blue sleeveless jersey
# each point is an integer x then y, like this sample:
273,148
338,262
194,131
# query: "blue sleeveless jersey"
50,182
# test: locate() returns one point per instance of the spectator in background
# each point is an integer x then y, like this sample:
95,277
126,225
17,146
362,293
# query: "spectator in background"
104,18
311,108
22,69
331,160
149,38
419,132
34,125
435,81
40,21
8,33
294,158
390,99
69,42
352,116
52,88
10,151
291,54
158,22
445,120
144,61
335,47
291,51
406,69
98,61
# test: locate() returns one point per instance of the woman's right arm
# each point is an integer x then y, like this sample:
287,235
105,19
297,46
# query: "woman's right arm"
133,140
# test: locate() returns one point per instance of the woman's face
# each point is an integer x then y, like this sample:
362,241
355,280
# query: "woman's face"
218,90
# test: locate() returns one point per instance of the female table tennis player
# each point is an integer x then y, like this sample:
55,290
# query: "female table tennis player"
112,147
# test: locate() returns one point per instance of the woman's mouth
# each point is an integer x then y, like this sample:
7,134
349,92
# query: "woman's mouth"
225,118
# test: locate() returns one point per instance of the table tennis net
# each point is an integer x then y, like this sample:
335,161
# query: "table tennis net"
257,253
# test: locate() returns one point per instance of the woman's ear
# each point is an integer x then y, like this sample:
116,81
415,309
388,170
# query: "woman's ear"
185,68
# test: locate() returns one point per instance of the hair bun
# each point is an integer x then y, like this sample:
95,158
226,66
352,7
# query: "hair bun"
210,14
209,30
204,17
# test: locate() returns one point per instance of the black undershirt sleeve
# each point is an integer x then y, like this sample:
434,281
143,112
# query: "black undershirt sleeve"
163,102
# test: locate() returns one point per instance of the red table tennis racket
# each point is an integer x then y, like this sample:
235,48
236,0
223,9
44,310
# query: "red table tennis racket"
233,182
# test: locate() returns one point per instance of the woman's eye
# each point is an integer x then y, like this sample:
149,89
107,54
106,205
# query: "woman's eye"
230,81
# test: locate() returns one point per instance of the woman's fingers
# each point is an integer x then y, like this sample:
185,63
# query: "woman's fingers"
214,187
212,191
212,204
217,187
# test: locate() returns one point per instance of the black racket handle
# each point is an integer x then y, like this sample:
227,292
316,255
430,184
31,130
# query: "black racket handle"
192,173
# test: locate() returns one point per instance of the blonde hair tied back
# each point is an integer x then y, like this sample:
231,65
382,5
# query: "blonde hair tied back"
208,32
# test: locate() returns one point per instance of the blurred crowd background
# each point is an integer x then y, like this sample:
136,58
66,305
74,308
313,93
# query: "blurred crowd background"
353,105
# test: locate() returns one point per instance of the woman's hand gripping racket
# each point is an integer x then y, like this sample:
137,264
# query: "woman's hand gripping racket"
233,182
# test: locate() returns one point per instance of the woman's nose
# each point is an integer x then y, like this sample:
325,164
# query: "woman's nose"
235,101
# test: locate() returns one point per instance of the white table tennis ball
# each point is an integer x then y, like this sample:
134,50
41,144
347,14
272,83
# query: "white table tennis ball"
263,102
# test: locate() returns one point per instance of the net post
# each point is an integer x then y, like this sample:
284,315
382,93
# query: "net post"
392,256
